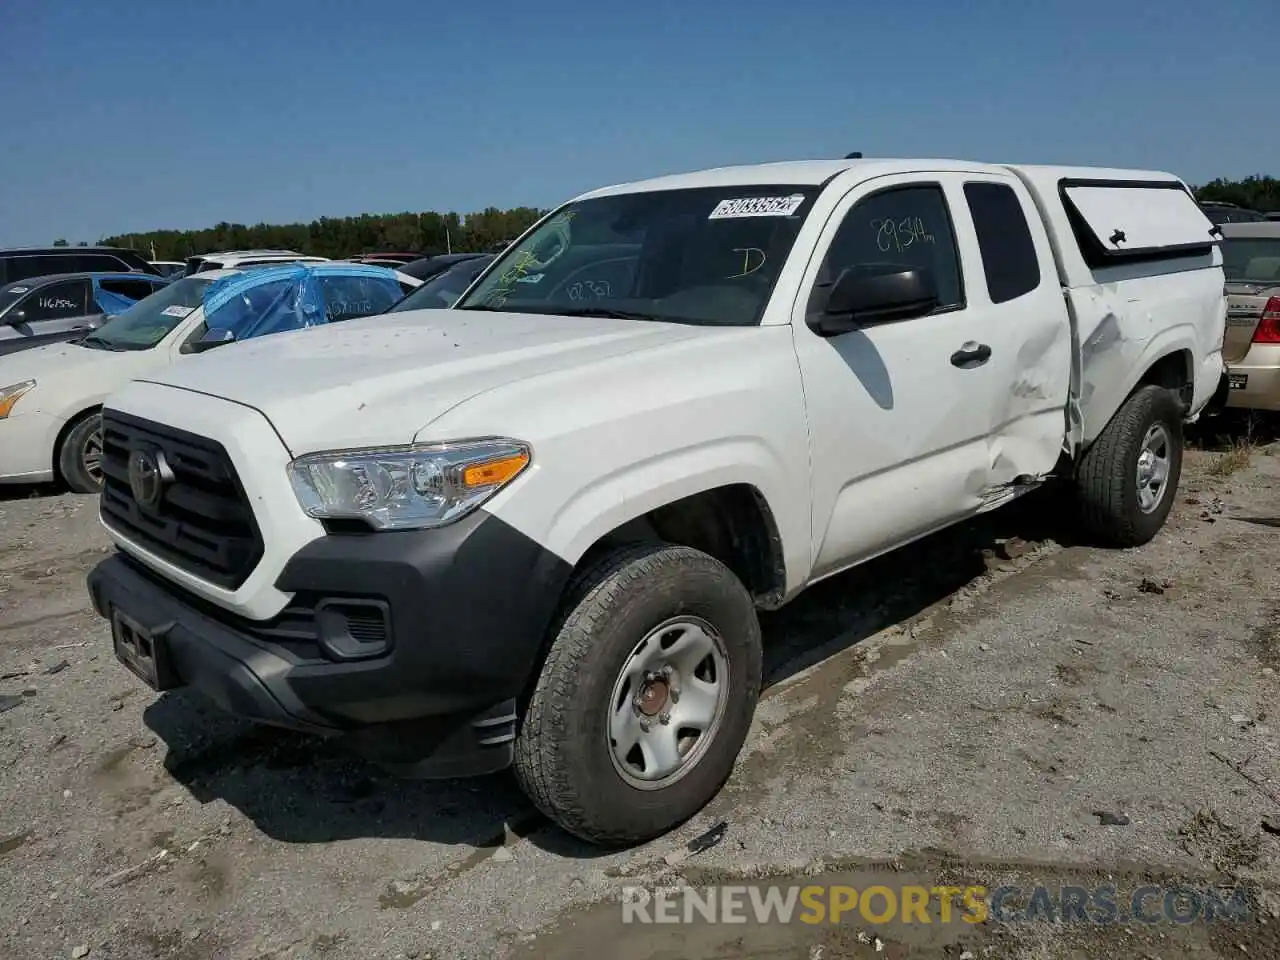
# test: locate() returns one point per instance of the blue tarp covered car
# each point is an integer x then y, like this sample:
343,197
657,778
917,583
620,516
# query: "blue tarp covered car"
277,299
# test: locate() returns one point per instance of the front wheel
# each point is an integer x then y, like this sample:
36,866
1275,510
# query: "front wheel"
80,458
1126,481
645,698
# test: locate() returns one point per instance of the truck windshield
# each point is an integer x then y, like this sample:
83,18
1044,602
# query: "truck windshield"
1252,259
706,255
151,319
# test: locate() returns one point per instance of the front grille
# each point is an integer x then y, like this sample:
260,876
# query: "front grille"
203,522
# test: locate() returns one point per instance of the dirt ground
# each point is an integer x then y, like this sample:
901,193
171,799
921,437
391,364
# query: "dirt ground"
992,706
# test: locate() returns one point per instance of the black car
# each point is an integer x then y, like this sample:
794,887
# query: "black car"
428,267
1222,212
19,263
444,289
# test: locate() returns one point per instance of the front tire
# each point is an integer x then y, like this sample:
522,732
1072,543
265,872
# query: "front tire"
80,457
646,695
1126,481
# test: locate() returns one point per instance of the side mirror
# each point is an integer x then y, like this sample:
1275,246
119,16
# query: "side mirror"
874,293
211,339
14,317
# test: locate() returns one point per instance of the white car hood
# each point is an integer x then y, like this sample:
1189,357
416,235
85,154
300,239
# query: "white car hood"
71,378
380,380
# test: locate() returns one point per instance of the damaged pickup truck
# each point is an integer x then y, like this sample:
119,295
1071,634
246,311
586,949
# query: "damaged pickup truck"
535,530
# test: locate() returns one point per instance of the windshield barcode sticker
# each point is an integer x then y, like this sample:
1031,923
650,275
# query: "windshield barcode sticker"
757,207
176,311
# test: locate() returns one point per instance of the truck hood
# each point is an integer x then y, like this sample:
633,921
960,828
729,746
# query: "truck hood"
380,380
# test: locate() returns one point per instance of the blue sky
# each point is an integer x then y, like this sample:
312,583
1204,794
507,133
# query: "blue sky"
141,115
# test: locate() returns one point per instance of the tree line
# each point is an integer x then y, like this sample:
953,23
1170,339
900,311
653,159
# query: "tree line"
1257,192
431,232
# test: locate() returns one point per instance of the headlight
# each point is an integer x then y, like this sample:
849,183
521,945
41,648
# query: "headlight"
12,394
406,488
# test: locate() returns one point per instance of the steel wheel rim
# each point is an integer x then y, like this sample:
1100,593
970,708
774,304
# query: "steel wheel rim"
91,455
1153,467
680,672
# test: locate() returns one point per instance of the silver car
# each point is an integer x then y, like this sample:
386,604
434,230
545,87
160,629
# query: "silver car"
40,310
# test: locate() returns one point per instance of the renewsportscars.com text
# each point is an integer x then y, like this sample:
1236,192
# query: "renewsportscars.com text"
879,904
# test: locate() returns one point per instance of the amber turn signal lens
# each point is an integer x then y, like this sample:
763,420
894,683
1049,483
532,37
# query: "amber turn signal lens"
495,471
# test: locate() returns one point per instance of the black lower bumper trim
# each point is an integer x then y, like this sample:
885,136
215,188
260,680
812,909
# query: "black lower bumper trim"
468,606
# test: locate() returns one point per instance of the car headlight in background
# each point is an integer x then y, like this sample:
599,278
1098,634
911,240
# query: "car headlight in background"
10,395
406,488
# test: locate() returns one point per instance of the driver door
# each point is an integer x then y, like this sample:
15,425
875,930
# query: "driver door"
919,422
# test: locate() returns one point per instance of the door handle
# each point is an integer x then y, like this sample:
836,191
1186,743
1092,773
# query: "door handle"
971,355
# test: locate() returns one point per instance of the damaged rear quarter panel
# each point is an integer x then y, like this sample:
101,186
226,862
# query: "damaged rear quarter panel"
1125,328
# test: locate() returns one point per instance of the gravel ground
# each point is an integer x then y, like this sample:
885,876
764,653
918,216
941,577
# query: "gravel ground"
966,711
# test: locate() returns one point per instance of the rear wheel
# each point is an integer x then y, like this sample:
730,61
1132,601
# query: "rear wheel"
646,695
80,457
1126,481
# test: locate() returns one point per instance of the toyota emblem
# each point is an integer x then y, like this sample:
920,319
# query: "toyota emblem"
148,474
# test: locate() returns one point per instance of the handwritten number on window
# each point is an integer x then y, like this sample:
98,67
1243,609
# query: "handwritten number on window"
898,235
588,290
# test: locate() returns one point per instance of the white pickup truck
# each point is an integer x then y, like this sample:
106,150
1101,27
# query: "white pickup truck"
534,530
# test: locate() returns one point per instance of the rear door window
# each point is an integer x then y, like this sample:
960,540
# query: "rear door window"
24,266
133,289
115,296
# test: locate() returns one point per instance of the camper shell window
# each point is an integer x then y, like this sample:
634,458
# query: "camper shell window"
1121,221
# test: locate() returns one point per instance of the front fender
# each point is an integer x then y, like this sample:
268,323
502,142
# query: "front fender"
570,525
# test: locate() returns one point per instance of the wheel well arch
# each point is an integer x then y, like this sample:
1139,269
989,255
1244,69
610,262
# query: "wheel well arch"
1175,371
733,523
61,438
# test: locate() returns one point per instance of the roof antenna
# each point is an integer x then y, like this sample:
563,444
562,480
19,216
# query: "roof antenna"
856,155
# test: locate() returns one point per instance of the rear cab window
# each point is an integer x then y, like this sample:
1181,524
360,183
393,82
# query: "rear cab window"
1009,261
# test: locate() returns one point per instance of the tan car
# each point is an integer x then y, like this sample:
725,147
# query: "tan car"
1251,261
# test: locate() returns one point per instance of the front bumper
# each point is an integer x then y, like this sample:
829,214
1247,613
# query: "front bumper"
26,446
465,608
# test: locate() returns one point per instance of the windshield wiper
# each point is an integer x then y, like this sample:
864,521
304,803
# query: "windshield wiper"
607,312
95,342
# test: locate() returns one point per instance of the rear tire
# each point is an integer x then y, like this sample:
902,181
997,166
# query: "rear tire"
642,622
80,456
1121,504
